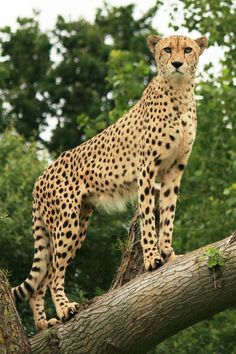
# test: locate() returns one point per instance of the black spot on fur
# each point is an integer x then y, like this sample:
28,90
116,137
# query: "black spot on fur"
167,193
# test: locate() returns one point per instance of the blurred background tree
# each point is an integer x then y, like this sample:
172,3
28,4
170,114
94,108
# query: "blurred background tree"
23,74
86,75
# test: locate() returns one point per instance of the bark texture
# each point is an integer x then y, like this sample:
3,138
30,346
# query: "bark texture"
12,337
148,309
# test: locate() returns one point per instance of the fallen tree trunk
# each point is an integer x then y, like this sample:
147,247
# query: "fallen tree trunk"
12,337
149,308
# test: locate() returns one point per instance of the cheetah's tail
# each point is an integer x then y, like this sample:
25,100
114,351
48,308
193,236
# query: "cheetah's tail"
40,262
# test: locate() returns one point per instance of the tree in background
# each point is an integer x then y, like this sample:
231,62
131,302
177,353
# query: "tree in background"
23,70
97,73
63,73
20,166
80,86
77,85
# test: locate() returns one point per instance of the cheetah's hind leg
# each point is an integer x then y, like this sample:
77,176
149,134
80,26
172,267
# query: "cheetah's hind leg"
68,238
37,306
37,303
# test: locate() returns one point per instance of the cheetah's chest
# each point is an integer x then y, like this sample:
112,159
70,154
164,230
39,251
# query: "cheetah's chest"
182,143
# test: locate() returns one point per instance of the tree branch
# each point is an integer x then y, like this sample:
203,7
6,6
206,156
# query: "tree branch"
148,309
12,336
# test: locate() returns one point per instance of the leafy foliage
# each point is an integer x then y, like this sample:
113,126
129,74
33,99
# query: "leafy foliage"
77,81
128,76
214,257
63,73
19,168
20,165
217,335
26,60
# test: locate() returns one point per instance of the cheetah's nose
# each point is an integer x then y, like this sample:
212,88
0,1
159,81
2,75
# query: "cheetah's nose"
176,64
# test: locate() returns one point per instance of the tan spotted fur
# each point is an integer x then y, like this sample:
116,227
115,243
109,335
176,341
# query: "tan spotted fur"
152,141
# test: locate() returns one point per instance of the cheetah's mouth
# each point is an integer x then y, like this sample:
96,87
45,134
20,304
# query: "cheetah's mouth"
177,72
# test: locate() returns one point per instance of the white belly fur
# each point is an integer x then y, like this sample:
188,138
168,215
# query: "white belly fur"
116,201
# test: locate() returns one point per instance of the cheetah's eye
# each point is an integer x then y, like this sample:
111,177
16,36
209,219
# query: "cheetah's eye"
167,49
187,50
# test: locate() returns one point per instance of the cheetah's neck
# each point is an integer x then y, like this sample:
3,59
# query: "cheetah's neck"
176,88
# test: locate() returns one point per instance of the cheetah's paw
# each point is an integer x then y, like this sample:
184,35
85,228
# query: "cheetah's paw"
167,252
44,324
53,322
153,262
69,311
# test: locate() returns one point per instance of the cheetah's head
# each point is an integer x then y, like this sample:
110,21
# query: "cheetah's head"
176,56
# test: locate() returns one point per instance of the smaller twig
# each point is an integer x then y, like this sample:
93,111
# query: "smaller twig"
231,239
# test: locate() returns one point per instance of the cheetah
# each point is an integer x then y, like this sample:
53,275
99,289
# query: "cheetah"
152,141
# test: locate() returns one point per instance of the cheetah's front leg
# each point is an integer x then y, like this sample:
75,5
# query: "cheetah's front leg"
149,240
168,198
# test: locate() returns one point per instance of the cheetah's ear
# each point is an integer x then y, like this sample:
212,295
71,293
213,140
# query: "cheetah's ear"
152,41
202,42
